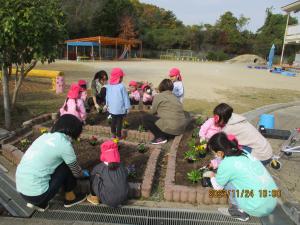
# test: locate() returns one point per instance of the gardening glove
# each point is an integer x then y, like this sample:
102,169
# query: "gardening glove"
85,173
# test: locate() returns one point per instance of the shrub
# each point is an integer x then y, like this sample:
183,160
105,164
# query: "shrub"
217,56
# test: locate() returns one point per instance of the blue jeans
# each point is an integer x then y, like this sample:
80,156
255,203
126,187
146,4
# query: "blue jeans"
249,150
232,197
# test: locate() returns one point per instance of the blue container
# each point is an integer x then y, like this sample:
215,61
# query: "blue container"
267,120
288,74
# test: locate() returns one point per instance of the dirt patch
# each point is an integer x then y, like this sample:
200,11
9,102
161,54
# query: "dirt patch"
134,119
182,165
88,157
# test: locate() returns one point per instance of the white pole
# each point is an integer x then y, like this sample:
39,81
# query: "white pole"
285,33
93,52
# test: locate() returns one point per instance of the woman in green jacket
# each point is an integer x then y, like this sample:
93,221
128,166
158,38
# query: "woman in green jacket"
167,118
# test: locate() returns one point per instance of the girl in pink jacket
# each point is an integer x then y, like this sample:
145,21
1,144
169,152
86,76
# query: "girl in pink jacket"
210,128
134,94
74,105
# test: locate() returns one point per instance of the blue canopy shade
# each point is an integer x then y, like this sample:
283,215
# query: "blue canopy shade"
81,43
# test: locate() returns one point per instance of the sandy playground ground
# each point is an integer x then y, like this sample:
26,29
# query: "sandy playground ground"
204,82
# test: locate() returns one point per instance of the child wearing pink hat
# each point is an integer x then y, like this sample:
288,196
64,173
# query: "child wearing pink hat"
117,101
176,78
147,94
83,85
74,105
109,178
134,94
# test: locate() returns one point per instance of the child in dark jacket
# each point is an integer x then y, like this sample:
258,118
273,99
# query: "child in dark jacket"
109,178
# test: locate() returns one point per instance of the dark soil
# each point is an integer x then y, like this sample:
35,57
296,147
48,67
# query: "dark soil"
182,165
23,147
133,118
88,157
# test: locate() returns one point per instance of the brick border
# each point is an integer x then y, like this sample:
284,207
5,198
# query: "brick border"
181,193
14,155
26,127
130,134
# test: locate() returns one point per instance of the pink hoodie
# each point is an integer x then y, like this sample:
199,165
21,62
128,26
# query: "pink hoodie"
71,103
135,95
208,129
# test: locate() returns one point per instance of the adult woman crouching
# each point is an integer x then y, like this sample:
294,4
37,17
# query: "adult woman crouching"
167,118
49,164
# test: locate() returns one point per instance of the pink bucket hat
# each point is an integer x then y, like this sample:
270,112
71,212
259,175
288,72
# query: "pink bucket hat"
133,83
74,91
109,152
175,72
115,75
232,137
144,86
82,83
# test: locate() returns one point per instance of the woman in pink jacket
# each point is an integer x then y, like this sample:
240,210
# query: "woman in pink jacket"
74,105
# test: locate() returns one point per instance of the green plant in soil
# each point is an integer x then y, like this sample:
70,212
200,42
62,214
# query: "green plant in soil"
125,124
191,155
199,121
196,132
141,128
191,143
131,171
25,143
93,141
141,148
194,176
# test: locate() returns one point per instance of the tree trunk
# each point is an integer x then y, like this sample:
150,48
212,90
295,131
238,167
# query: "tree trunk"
5,83
23,73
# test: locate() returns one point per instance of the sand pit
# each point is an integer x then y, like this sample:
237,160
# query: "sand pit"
249,59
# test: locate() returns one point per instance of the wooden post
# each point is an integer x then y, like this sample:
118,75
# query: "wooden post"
285,33
99,48
116,56
141,50
67,52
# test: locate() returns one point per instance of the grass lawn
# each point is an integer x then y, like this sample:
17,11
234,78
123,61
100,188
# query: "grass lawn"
35,98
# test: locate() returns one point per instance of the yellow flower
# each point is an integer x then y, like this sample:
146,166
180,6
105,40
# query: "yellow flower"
116,140
43,130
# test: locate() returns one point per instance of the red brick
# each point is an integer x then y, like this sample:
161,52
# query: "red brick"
7,151
146,192
176,195
200,196
168,194
223,201
17,156
207,199
184,195
192,196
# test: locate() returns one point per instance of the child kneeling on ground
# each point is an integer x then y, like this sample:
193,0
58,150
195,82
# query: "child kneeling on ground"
134,94
109,178
239,172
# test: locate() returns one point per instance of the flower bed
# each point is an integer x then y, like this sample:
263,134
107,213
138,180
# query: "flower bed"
132,126
140,159
182,182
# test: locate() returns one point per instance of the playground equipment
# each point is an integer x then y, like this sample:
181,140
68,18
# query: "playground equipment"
179,54
102,45
58,83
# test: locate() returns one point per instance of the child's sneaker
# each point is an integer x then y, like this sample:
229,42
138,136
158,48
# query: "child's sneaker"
39,209
234,212
93,199
159,141
79,199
